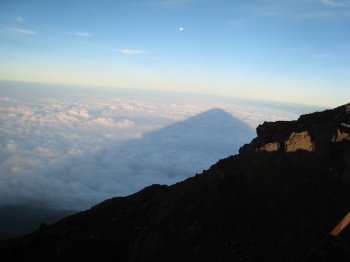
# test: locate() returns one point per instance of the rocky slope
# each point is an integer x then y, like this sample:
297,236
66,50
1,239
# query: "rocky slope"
275,201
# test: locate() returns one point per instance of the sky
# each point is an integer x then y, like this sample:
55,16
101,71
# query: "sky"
295,51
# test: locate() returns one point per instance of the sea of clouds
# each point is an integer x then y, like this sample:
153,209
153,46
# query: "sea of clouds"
71,148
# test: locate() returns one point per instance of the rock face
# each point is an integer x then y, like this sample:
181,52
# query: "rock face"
299,141
275,201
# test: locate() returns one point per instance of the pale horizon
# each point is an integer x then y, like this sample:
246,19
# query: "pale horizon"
190,93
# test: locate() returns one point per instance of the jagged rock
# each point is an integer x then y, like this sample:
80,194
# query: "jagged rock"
299,141
341,136
270,147
275,201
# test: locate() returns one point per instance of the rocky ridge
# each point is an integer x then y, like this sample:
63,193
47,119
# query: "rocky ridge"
277,200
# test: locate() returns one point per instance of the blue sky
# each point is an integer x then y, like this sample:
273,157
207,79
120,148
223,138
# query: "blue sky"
289,51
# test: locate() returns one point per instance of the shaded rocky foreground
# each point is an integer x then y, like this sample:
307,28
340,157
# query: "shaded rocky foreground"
277,200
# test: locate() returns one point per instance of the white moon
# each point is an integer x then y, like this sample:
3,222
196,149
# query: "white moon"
181,29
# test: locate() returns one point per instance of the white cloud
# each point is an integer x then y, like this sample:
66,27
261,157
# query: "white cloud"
19,19
131,51
82,34
23,31
65,118
110,123
79,113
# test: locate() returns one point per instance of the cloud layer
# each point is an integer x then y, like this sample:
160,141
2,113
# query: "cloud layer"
73,151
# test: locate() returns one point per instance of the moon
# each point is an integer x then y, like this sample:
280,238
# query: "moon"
181,28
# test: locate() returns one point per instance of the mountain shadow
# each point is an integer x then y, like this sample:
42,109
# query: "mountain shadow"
185,147
164,156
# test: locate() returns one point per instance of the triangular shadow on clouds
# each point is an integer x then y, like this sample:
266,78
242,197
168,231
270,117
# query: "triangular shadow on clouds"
175,152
